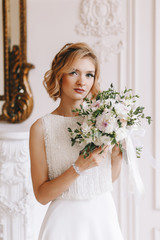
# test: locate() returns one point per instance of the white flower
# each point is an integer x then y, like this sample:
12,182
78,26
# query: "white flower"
95,105
85,105
85,127
110,101
121,133
128,102
103,140
105,123
122,111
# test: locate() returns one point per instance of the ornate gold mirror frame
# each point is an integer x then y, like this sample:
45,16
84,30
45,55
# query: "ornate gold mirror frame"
18,100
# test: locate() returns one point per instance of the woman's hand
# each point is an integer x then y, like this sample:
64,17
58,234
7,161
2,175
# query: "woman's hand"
97,156
116,161
93,160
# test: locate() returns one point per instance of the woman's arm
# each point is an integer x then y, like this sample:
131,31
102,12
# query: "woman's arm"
44,189
116,162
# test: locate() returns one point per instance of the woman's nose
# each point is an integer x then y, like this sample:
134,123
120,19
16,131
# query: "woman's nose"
81,80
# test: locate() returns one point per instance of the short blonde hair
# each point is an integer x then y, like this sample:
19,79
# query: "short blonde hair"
61,64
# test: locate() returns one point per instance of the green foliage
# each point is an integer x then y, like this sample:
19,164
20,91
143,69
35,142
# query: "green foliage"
138,151
149,119
90,147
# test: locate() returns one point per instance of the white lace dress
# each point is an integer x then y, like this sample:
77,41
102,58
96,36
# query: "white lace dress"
86,210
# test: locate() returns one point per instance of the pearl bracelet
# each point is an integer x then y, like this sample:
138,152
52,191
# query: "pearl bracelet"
76,168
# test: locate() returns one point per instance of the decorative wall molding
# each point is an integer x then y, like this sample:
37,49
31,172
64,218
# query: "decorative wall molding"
106,51
101,19
16,196
157,98
131,70
18,207
157,190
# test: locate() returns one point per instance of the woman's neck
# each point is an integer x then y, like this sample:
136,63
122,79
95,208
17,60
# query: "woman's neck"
65,109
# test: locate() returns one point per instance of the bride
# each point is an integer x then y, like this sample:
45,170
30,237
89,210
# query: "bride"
79,190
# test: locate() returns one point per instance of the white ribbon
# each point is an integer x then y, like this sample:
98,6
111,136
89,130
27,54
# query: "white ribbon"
135,178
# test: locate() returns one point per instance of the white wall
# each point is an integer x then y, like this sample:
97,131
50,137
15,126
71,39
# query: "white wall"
51,24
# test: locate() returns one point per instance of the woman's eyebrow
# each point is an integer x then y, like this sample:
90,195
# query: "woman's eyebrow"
76,69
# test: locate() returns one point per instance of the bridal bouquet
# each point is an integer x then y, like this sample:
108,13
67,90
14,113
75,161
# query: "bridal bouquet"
109,119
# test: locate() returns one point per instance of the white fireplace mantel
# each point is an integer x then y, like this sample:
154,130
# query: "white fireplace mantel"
16,195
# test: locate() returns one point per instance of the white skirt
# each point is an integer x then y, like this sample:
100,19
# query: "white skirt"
93,219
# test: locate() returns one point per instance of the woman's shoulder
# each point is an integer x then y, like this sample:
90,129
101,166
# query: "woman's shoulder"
37,126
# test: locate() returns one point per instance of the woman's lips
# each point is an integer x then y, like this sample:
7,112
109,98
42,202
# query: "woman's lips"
79,90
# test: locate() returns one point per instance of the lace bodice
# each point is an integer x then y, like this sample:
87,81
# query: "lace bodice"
60,156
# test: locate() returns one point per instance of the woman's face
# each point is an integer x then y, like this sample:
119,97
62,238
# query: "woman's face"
78,82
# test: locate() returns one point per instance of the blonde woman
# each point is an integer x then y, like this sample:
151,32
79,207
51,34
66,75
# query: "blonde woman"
79,189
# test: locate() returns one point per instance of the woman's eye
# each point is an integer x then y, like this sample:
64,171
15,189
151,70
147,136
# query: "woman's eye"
90,75
74,73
